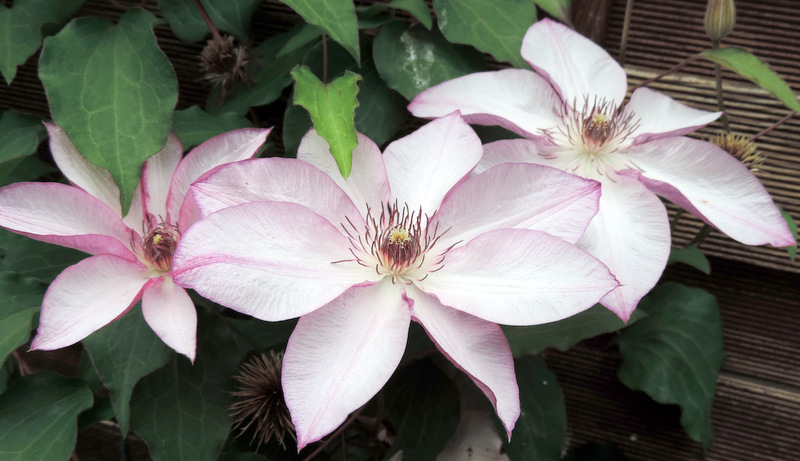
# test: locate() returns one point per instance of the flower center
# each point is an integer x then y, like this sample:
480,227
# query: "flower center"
396,243
592,139
158,246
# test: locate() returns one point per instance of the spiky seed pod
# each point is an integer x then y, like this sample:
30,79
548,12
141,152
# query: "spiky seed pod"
720,18
259,400
225,63
740,147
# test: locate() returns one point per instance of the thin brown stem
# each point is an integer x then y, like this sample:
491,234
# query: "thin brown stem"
775,125
325,58
335,434
209,22
623,44
701,236
675,68
720,98
253,116
24,369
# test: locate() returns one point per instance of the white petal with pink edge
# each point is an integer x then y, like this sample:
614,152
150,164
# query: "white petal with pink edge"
170,312
64,215
516,99
423,166
519,195
274,179
512,151
630,234
157,175
87,296
711,182
477,347
271,260
575,65
519,277
367,185
95,180
660,116
341,355
228,147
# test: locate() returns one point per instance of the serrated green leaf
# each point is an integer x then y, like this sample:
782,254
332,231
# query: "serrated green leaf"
676,353
232,16
493,27
559,9
332,108
422,404
38,417
180,410
195,126
792,250
22,299
336,17
748,66
123,352
20,135
31,258
278,56
566,333
411,59
113,91
22,28
542,425
692,256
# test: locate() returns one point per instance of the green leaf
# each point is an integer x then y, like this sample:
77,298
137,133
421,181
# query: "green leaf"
542,425
22,28
20,135
296,123
113,91
252,334
38,417
676,353
792,250
411,59
278,56
332,108
123,352
22,299
418,8
180,410
31,258
232,16
749,66
559,9
336,17
594,451
492,27
692,256
23,169
565,333
422,404
195,126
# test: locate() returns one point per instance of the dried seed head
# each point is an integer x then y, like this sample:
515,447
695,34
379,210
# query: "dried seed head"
720,18
740,147
259,400
224,63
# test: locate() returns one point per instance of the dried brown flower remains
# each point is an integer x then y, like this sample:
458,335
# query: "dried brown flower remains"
225,63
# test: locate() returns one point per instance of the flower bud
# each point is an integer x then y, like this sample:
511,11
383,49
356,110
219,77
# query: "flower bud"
720,18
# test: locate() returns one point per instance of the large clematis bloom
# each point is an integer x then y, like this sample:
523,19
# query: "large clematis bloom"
570,110
404,238
131,256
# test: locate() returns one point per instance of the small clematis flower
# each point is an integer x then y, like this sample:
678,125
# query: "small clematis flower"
405,237
570,110
131,256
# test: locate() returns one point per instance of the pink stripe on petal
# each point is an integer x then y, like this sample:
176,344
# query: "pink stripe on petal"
341,355
519,277
477,347
271,260
423,166
170,312
64,215
516,99
228,147
87,296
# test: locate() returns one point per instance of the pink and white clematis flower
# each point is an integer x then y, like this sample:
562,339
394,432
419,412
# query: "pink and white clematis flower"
570,110
404,238
132,257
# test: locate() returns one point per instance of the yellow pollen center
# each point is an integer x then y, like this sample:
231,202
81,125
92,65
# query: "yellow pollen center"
399,236
600,119
157,239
